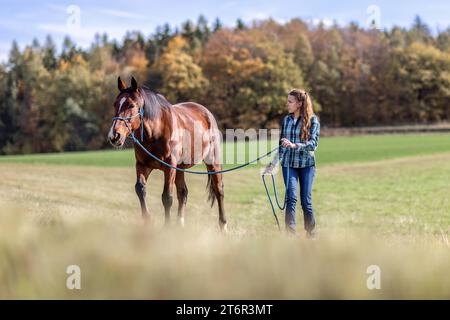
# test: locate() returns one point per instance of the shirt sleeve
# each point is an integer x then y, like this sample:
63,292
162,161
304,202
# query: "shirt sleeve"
313,141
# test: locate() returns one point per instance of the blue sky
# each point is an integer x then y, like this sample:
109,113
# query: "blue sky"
23,20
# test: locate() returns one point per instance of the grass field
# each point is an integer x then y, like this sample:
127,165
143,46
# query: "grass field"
332,150
379,200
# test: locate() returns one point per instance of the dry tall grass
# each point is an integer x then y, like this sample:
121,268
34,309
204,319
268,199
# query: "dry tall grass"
55,216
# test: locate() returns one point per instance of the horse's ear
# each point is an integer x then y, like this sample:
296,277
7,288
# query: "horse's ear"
121,85
134,84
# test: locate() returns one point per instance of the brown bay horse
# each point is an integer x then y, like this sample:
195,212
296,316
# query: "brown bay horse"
171,133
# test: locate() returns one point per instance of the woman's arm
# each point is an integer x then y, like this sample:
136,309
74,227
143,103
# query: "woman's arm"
311,144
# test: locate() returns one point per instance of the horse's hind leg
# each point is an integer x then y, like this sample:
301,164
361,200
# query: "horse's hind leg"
142,173
182,193
167,198
216,190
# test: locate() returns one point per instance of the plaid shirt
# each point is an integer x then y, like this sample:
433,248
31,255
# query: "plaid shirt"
303,155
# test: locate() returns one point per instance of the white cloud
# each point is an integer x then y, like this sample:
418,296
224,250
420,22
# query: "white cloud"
4,51
251,16
228,4
56,7
84,35
316,21
281,20
257,15
13,25
121,14
3,56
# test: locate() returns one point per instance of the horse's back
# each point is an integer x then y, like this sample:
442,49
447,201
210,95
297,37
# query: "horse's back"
192,111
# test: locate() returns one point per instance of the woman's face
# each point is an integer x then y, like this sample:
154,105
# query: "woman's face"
292,104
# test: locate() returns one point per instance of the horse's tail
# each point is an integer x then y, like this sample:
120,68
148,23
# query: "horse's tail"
212,187
211,193
213,158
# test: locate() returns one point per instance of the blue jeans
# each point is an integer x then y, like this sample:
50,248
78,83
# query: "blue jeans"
306,177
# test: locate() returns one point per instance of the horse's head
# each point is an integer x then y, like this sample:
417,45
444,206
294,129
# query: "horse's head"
128,112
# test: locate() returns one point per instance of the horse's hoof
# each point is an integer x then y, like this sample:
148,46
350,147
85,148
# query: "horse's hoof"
147,220
181,222
223,227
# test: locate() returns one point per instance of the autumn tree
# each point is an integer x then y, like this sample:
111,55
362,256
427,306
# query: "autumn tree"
252,74
183,79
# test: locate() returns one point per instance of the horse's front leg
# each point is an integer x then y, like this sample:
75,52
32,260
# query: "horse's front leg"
182,193
167,195
142,173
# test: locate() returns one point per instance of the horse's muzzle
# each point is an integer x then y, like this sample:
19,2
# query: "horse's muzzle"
116,140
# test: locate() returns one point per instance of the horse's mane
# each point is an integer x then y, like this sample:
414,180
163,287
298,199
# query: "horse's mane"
153,102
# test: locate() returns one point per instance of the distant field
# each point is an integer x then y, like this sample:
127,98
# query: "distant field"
331,150
378,200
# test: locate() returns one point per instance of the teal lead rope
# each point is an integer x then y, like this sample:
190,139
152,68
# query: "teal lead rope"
276,197
228,170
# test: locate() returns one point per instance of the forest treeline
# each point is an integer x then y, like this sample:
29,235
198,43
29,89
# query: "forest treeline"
61,100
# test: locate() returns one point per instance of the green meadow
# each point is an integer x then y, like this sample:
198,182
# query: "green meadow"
332,150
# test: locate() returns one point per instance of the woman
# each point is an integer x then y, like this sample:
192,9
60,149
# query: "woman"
299,139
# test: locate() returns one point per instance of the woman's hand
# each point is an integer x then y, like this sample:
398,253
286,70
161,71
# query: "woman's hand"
287,144
268,169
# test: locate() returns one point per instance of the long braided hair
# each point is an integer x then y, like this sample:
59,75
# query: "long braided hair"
306,111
